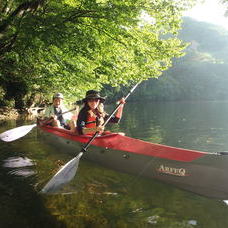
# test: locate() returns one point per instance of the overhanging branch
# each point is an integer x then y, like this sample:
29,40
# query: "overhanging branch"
30,6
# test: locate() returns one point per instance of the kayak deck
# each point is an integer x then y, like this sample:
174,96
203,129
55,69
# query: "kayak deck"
123,143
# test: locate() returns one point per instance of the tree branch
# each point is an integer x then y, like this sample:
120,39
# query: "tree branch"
83,13
30,6
105,32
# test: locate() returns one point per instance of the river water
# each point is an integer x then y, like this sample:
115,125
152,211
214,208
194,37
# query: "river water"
101,197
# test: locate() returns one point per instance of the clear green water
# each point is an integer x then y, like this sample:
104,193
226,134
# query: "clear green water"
100,197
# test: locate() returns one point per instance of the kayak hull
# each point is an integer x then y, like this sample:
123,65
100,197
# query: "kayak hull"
199,172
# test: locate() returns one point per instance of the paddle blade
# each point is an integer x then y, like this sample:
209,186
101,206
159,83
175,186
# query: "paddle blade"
63,176
16,133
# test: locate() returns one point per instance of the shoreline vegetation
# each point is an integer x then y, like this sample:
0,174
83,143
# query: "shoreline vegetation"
74,46
31,113
8,113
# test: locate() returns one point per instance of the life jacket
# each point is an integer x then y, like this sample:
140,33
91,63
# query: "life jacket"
93,121
58,113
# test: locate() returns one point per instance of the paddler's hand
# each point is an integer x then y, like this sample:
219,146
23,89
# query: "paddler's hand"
54,117
121,101
45,121
100,129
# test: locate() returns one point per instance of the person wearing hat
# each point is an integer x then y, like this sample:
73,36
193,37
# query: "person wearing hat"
92,116
53,114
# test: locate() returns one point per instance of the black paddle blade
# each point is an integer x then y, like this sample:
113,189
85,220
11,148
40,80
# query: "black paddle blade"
63,176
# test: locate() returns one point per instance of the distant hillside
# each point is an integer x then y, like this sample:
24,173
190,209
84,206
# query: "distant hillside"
201,74
210,38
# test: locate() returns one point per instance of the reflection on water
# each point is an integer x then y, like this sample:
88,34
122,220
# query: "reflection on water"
100,197
19,166
192,125
17,162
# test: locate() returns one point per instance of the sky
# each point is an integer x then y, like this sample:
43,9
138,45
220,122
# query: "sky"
210,11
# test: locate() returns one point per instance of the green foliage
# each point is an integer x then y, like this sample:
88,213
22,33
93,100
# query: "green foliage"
72,46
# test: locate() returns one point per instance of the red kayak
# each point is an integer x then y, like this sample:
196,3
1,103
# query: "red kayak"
200,172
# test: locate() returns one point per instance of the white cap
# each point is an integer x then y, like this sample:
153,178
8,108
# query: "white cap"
58,95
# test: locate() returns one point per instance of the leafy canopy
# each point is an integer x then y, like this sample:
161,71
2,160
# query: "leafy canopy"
72,46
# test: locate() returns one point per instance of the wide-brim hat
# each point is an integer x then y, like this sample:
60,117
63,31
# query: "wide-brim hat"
93,94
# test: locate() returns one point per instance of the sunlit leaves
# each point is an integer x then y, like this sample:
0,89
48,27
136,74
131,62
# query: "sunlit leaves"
74,45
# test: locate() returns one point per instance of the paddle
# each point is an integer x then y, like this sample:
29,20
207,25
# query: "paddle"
19,132
68,171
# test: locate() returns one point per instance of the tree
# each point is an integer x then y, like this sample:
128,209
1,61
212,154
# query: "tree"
73,45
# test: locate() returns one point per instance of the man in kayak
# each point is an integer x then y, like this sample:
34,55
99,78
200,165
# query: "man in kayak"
92,116
53,117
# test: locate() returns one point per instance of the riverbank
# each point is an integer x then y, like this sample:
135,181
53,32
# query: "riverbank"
7,113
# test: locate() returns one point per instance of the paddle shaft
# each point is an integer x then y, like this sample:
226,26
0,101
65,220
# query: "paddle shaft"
67,111
84,149
49,119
